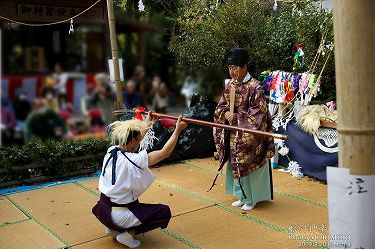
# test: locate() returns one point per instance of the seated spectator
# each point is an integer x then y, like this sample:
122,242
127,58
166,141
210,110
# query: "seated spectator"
159,92
21,106
8,123
50,95
44,123
132,98
64,105
139,77
22,109
104,97
96,122
58,78
87,103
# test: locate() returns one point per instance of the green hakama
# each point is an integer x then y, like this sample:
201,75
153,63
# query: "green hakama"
257,185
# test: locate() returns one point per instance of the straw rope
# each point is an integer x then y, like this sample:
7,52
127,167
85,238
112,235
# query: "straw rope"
52,23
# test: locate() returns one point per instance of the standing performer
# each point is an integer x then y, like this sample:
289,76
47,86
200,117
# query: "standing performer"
243,104
125,176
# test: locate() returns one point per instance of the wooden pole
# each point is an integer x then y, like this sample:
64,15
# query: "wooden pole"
210,124
354,27
113,38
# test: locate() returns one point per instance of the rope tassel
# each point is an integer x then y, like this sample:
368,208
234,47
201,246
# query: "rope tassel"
71,29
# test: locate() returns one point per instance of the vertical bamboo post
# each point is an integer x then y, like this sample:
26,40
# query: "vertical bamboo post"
113,38
354,28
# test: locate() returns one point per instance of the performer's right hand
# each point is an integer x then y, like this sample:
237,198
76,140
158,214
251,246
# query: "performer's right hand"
229,116
180,125
151,118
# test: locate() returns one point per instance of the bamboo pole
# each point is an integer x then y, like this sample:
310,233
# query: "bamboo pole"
113,38
354,28
210,124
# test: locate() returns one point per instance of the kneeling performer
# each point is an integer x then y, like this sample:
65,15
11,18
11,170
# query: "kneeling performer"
125,176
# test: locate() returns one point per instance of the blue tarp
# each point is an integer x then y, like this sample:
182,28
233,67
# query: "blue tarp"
303,150
20,189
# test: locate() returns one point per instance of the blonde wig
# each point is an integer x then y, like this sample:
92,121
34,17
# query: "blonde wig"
120,130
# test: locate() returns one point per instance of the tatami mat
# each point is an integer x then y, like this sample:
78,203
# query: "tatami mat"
157,193
193,179
91,184
65,209
27,235
282,178
9,213
63,213
306,188
288,213
217,228
209,164
314,192
151,240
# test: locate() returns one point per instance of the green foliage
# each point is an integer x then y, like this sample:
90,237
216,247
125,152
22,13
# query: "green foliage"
158,59
207,31
51,158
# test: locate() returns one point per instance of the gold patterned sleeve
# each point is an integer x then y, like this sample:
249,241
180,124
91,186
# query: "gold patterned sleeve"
255,117
222,108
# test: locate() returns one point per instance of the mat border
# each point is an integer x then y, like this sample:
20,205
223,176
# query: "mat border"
31,217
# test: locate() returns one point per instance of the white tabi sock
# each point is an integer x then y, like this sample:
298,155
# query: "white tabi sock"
126,239
237,203
111,232
247,207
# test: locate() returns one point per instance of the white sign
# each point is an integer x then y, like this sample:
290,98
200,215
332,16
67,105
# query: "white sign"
111,70
350,209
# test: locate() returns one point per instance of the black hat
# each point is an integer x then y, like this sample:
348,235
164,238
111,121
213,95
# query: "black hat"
238,57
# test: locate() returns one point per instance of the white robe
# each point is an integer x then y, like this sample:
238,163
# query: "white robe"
130,183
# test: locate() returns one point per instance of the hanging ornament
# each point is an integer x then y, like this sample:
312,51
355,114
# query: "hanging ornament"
298,57
279,143
141,6
331,106
284,151
275,5
295,169
219,2
71,30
